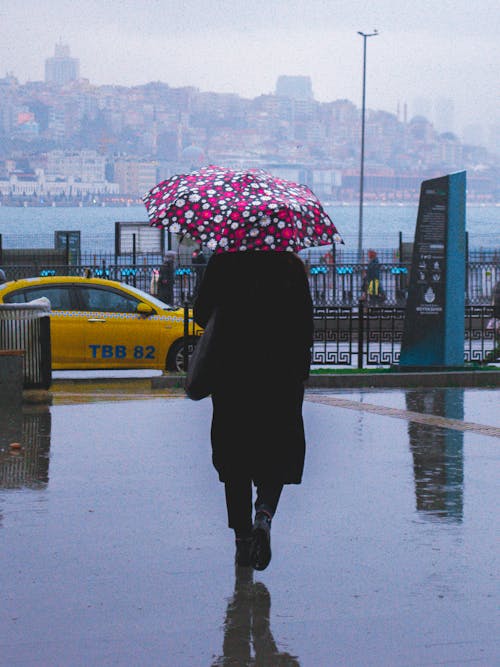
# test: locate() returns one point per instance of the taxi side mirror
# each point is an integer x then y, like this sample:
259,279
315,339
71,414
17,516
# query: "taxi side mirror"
145,309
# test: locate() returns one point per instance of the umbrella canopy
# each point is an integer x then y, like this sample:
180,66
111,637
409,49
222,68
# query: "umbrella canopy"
230,210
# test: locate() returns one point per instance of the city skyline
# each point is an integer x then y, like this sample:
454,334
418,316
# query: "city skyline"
426,50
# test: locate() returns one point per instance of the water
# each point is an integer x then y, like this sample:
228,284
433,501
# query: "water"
35,227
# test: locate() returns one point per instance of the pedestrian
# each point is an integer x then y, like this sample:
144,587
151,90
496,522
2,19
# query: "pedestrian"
153,284
166,277
264,333
374,290
364,286
199,262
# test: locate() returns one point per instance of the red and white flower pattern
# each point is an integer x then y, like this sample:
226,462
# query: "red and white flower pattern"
230,210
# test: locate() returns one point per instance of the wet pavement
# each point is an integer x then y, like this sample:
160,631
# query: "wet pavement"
115,551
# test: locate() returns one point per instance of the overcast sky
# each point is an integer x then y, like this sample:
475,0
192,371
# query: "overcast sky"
426,48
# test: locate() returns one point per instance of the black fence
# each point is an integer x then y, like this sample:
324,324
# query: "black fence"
363,335
331,284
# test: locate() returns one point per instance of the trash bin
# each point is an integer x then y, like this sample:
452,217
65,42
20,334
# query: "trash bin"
26,326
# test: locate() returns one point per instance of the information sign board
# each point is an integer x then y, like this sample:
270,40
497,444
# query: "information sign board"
434,319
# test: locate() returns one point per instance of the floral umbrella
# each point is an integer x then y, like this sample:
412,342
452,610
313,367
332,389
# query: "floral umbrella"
230,210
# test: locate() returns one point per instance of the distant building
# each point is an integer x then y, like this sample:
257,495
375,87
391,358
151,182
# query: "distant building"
295,87
85,165
474,134
135,177
422,106
39,184
61,68
193,157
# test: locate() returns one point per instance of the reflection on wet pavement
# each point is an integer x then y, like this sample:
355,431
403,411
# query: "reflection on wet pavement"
438,462
74,392
28,465
119,553
247,625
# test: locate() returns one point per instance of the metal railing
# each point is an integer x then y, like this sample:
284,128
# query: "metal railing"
331,284
361,335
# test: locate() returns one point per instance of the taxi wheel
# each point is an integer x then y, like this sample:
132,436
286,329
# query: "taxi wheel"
175,357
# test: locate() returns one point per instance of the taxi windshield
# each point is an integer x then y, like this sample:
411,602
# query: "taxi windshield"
152,299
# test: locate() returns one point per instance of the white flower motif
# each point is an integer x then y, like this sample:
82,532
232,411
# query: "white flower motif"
254,232
212,244
194,198
175,227
188,214
223,242
281,224
265,221
162,214
269,239
235,225
180,203
218,218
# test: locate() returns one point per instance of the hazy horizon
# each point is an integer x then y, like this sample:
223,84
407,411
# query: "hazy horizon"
426,52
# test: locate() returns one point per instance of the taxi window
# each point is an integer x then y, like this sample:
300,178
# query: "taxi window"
59,296
104,300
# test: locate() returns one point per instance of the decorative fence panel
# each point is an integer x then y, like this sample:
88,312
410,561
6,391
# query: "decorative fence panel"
361,336
482,337
383,329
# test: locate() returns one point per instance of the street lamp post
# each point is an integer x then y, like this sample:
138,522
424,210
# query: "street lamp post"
364,35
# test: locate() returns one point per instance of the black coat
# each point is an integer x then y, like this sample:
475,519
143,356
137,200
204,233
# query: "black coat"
264,336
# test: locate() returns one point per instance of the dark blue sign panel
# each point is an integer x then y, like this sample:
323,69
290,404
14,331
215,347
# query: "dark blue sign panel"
434,319
69,241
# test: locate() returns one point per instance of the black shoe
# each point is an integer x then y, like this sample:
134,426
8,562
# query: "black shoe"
243,547
260,551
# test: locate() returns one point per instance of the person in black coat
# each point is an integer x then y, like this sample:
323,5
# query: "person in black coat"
199,262
166,278
264,333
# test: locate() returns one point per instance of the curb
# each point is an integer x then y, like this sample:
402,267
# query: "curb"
399,380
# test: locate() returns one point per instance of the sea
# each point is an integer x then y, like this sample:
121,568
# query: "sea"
383,225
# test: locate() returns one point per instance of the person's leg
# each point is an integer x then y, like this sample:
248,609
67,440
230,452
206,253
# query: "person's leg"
239,506
239,514
268,495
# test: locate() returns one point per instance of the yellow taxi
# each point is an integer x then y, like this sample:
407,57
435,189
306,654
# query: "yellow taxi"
103,324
